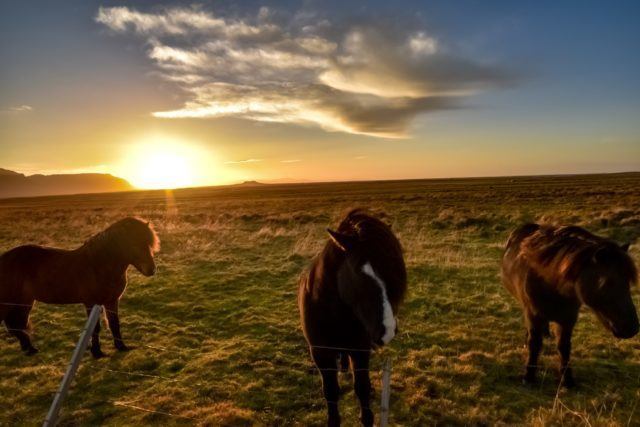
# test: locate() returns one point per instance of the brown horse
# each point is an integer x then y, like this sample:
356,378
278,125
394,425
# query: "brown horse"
95,273
348,301
552,271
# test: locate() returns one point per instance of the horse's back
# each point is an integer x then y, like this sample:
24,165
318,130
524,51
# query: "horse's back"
24,252
536,259
25,259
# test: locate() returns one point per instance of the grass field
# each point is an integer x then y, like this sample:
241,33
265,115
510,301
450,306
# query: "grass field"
217,332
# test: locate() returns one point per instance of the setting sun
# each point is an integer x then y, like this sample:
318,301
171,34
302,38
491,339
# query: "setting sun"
164,170
159,163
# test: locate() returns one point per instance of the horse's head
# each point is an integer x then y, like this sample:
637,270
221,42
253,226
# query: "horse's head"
140,245
365,284
605,287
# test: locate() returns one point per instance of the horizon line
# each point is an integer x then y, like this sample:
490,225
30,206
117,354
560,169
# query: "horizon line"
259,183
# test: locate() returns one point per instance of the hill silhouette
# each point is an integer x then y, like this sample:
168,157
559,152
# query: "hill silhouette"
250,184
14,184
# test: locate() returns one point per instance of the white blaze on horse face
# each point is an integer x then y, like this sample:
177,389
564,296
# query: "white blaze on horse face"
388,320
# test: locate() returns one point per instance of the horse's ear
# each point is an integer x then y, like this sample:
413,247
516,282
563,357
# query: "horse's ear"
625,246
342,241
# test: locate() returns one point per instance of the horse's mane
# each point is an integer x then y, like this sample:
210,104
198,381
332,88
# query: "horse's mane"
360,223
382,247
571,249
130,229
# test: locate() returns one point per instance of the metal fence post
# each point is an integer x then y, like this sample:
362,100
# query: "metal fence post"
386,393
81,347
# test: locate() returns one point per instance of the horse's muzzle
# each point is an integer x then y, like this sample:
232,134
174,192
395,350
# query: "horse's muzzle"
149,270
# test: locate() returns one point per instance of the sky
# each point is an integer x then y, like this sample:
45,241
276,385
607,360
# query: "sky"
215,92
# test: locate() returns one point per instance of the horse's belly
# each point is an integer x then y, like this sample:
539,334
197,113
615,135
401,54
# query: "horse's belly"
54,293
57,299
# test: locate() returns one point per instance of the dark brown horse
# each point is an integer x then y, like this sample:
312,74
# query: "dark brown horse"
552,271
95,273
348,301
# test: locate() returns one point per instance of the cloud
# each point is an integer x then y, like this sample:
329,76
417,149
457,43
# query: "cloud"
237,162
360,77
18,109
290,161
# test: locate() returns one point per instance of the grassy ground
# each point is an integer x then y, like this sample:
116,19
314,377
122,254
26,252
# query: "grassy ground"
217,330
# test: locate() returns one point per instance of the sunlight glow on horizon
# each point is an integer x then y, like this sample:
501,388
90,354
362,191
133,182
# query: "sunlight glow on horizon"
164,163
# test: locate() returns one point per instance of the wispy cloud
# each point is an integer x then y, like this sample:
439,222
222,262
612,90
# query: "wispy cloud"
18,109
361,77
290,161
236,162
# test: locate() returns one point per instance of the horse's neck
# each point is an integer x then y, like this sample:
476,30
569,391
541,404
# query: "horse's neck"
326,279
104,261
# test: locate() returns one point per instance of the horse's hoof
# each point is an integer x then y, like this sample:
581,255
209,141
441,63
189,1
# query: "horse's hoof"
31,351
568,383
98,354
122,347
366,418
333,419
528,381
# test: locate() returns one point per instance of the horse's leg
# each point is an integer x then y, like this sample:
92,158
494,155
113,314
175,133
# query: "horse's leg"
362,385
96,352
563,339
344,362
17,322
326,361
536,328
114,325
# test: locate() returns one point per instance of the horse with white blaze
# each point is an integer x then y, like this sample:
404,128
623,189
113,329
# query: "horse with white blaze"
349,300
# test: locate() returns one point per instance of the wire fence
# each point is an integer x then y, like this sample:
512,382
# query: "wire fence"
452,357
52,361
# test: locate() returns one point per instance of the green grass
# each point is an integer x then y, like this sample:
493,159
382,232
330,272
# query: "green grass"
217,333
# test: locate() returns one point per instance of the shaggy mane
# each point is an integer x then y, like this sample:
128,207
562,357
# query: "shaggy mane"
572,249
128,229
359,222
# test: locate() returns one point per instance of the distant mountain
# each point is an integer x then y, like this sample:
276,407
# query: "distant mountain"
249,184
6,172
14,184
288,181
